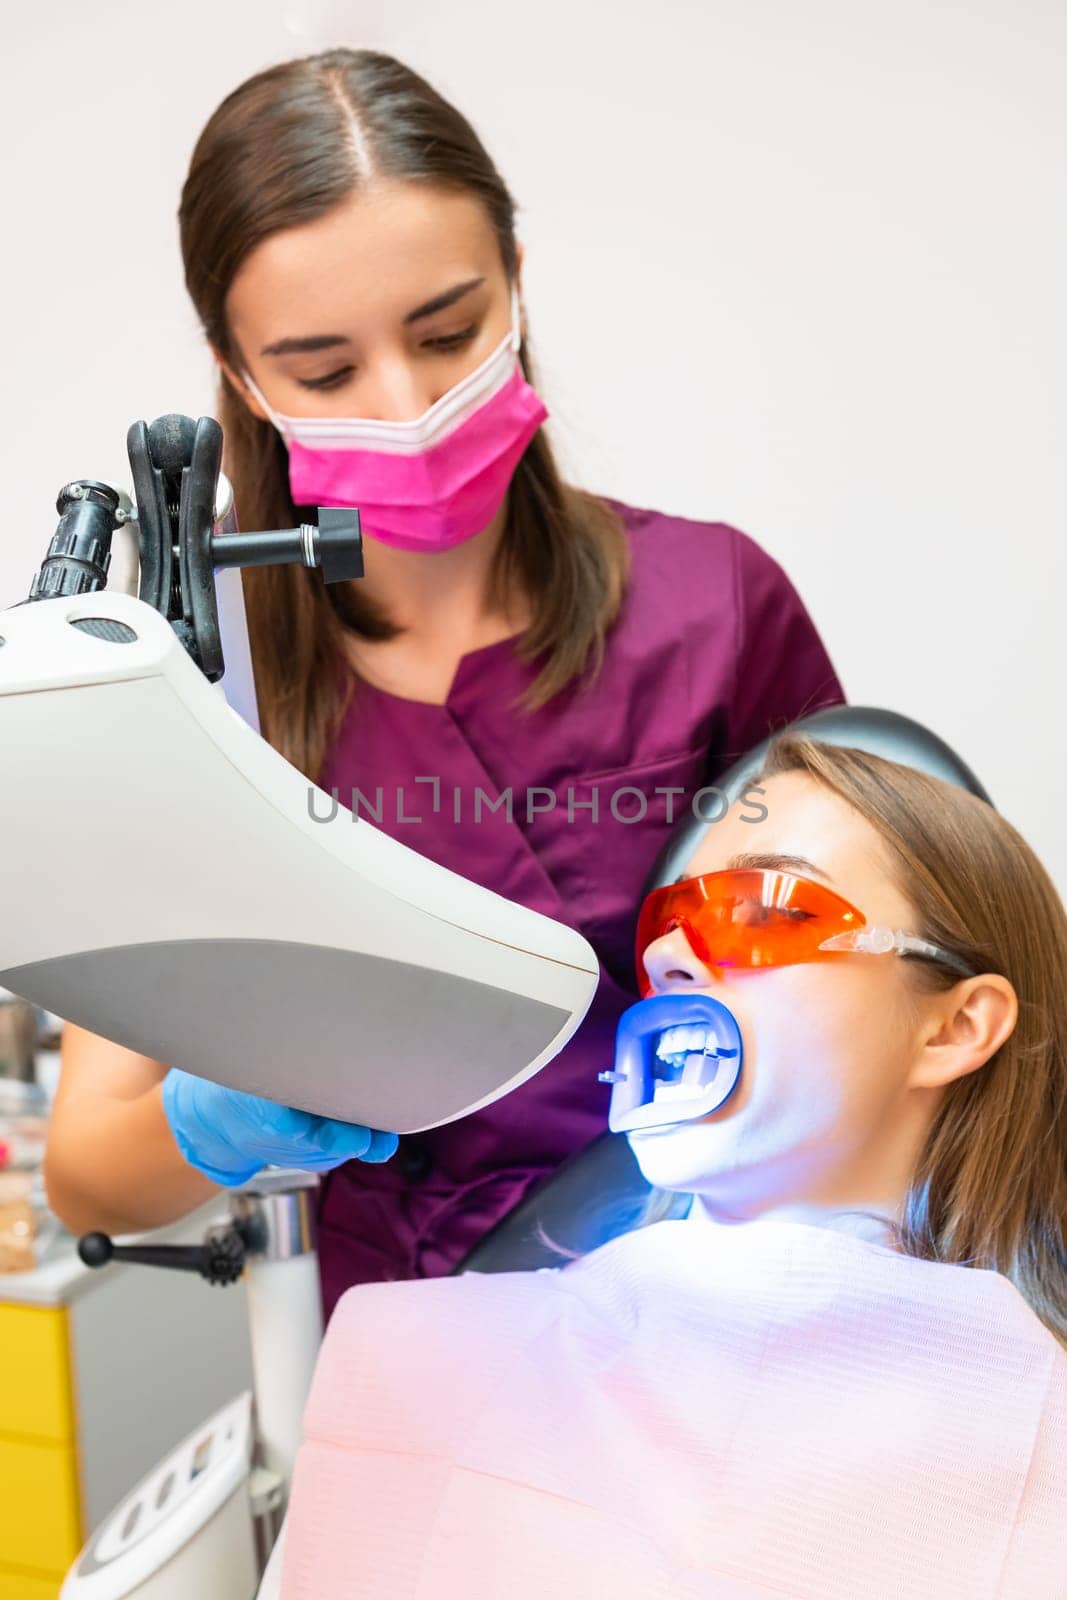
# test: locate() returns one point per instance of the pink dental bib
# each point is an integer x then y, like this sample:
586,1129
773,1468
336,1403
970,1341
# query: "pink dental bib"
693,1412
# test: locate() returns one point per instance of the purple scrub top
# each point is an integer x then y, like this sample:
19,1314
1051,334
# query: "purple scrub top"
712,650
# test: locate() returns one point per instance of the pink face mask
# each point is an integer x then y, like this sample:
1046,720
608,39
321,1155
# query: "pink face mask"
430,483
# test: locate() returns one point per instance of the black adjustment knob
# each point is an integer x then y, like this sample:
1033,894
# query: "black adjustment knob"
95,1249
80,552
338,543
220,1259
224,1257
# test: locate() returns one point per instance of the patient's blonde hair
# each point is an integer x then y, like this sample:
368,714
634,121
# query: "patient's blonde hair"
990,1187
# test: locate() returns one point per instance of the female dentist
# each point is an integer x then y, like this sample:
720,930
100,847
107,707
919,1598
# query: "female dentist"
526,685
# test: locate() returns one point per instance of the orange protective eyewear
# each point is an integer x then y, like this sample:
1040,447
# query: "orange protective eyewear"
762,918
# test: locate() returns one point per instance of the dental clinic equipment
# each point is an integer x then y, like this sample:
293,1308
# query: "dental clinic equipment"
205,1519
175,885
211,907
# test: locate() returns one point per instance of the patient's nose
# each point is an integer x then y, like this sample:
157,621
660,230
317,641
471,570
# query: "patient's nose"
672,963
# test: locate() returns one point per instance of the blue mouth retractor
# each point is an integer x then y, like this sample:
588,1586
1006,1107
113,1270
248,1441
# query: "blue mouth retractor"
677,1057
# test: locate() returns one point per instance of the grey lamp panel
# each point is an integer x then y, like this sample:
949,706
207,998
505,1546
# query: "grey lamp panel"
253,1013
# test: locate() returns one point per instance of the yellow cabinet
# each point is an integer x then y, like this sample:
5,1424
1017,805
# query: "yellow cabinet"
40,1513
24,1586
40,1520
35,1395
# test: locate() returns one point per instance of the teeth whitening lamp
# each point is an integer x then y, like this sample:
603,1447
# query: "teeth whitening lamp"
219,912
174,884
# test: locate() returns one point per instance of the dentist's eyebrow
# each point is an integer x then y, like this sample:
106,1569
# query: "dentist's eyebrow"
441,302
329,341
769,861
296,347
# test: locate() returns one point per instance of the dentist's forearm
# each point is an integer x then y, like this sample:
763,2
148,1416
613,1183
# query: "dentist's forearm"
111,1161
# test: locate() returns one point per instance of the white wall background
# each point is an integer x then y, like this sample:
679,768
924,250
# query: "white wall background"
797,264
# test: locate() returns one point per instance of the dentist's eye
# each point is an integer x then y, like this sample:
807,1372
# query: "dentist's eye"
332,380
451,341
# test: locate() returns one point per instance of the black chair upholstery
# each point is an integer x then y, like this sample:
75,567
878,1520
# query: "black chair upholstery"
600,1192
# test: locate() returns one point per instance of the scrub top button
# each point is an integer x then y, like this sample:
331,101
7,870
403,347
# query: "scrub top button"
413,1159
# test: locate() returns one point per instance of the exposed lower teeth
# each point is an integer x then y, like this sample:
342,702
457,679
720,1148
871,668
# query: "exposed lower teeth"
674,1091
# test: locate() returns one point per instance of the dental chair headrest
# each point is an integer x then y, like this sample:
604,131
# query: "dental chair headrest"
600,1192
869,728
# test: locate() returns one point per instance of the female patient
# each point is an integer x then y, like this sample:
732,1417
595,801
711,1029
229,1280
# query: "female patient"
845,1373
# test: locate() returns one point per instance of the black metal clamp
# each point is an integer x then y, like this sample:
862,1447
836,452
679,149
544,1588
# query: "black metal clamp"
176,464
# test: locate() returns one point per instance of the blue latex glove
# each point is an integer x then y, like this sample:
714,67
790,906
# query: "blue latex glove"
230,1135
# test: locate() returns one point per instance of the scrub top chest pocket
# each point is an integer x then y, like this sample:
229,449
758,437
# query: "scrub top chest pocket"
622,819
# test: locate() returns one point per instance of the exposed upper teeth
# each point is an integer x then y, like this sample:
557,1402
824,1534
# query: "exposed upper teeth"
680,1041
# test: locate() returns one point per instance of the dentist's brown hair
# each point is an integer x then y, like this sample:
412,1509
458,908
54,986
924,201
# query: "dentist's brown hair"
277,153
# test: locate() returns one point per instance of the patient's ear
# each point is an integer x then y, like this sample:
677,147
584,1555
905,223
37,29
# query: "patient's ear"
963,1028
